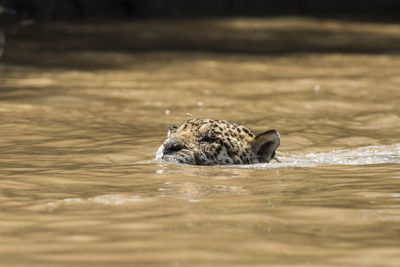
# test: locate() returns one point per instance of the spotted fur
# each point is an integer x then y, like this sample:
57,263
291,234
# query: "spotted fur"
217,142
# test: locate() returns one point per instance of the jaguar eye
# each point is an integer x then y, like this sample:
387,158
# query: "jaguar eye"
207,139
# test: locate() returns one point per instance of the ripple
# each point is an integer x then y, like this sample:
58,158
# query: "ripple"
387,154
112,200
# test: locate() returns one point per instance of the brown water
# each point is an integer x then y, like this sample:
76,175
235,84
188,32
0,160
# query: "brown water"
80,128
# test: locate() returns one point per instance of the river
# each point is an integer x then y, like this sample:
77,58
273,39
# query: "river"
81,123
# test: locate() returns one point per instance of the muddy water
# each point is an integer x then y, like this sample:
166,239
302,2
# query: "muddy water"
79,184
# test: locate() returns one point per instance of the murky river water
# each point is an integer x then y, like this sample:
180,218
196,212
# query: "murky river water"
80,128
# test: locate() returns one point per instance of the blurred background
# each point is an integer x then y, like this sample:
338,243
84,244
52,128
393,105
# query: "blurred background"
107,9
192,25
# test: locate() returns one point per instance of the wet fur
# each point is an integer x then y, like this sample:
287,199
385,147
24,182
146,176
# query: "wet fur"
217,142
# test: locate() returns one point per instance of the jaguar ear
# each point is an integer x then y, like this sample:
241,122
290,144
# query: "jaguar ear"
265,144
171,130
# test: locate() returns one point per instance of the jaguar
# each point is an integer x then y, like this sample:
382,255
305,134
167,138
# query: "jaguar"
217,142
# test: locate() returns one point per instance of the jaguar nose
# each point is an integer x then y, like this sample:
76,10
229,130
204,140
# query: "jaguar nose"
171,146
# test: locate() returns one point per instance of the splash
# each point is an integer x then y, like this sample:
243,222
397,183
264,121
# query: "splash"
387,154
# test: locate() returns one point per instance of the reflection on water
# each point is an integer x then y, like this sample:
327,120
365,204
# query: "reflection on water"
79,183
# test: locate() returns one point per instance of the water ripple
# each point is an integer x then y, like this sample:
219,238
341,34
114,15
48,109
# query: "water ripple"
386,154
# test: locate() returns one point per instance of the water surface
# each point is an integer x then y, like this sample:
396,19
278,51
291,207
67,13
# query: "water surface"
79,132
